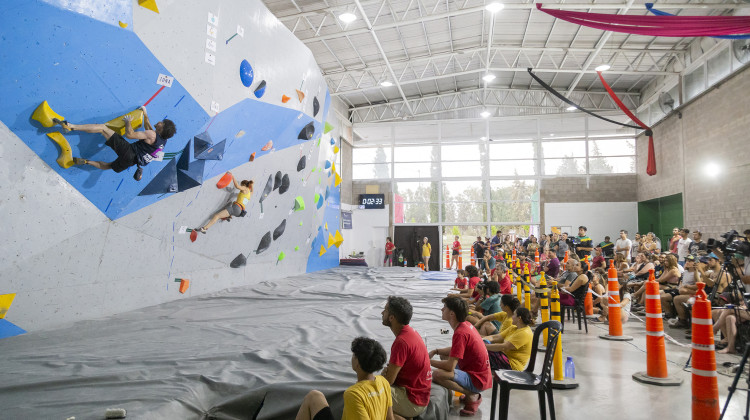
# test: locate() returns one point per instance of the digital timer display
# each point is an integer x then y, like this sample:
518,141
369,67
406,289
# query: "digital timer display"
372,201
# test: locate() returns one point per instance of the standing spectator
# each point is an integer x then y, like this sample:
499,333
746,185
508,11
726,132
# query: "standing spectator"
683,246
624,245
673,240
455,252
608,248
584,246
698,247
389,247
426,252
543,243
497,242
532,246
562,246
635,247
479,252
408,370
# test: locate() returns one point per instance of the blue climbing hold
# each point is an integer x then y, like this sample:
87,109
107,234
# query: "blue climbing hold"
246,73
333,142
260,90
328,164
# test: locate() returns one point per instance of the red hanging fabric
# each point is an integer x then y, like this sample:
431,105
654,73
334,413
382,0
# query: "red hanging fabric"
673,26
651,165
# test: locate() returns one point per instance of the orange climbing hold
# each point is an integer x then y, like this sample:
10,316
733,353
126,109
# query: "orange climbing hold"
252,156
224,181
184,284
300,95
285,99
267,146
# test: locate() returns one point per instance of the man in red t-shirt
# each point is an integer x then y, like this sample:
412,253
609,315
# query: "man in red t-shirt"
455,252
408,369
389,247
465,365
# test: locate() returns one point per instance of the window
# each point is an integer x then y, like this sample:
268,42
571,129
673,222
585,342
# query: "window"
371,163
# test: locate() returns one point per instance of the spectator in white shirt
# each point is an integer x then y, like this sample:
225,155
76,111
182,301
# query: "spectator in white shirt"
683,246
624,245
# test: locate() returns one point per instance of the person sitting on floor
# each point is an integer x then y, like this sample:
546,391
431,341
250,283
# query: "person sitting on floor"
503,278
625,305
460,282
473,274
490,305
511,349
368,399
408,370
465,365
496,323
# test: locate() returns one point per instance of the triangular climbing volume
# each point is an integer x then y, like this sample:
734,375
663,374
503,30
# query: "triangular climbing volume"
149,4
164,182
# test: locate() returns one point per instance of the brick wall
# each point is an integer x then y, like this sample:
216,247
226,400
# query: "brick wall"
714,128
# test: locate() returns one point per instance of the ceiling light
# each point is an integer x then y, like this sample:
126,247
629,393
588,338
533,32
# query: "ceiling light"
552,134
386,83
494,7
485,114
347,17
571,108
712,169
483,138
488,77
603,67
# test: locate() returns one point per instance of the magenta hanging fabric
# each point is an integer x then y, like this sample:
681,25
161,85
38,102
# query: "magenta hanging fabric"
671,26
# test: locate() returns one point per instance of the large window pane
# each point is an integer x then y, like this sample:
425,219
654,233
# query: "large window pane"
464,212
460,152
612,165
559,149
515,190
371,155
512,151
567,166
512,167
416,191
416,170
461,169
371,171
467,235
463,191
507,130
415,212
416,154
695,83
618,147
511,211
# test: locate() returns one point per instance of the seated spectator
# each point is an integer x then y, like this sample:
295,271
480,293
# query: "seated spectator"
576,291
625,307
598,260
489,263
465,365
621,264
532,246
669,278
648,246
473,274
639,272
511,349
673,299
369,398
490,305
709,272
499,321
598,282
460,282
503,278
408,370
552,265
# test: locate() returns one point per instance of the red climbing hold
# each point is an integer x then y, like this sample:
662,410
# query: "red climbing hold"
224,181
193,235
267,146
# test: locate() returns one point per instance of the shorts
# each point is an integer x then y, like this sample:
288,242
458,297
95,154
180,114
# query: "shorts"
402,405
567,300
234,209
324,414
124,150
462,378
454,253
674,291
499,360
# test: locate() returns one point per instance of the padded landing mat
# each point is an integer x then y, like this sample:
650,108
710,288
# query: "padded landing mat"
216,356
439,275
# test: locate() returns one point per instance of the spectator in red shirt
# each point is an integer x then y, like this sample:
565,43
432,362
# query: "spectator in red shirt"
473,274
506,287
460,283
465,365
389,247
455,251
408,370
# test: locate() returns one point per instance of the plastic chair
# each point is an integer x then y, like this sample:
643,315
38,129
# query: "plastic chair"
527,380
579,312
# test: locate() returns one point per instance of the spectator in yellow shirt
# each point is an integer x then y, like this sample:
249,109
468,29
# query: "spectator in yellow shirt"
368,399
426,252
511,349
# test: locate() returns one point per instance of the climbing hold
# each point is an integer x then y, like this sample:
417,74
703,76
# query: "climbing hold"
239,134
327,129
330,240
284,184
333,141
184,284
201,143
300,95
285,99
252,156
322,251
279,230
267,190
65,159
318,143
260,90
277,181
328,164
281,256
300,223
302,163
326,226
118,124
337,181
307,132
246,73
149,4
338,239
316,106
189,174
327,193
296,248
265,242
238,261
317,198
299,203
225,180
333,166
335,149
267,146
319,203
5,302
44,115
193,235
164,182
215,152
123,25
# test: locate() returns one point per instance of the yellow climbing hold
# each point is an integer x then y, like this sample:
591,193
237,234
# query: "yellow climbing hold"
338,239
337,181
123,25
118,124
326,225
149,4
335,149
44,114
5,302
322,251
331,240
65,160
333,166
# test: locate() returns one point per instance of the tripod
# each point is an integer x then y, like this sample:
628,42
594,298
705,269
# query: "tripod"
736,380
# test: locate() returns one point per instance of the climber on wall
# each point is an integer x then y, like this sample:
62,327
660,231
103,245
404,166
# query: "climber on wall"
236,208
150,142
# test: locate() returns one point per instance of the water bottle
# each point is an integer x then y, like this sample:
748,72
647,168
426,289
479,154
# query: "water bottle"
570,368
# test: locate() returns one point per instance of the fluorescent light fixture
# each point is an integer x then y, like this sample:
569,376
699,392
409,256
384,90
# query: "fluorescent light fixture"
552,134
603,67
483,138
712,169
485,114
386,83
571,108
488,77
347,17
494,7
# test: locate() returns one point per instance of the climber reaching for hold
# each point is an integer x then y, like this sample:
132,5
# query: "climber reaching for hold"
236,208
150,142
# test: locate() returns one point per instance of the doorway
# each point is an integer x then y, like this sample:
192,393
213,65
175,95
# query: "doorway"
409,239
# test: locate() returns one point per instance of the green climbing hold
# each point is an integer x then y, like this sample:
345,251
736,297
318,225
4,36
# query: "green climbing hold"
317,198
281,256
318,142
327,128
300,223
299,203
296,248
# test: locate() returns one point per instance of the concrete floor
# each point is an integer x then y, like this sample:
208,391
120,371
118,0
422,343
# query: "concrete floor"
604,370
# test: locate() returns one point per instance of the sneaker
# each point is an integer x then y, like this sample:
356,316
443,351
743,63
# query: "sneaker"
138,174
679,324
79,161
672,321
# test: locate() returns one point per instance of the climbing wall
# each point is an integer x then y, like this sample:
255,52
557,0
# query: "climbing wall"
246,97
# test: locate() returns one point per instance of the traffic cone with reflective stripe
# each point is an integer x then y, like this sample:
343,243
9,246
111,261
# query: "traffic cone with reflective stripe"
472,260
656,357
704,383
526,289
559,381
613,306
536,257
448,257
588,302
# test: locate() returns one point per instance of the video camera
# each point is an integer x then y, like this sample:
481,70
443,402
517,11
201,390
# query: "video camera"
729,244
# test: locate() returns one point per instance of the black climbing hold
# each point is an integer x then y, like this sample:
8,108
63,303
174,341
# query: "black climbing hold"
265,242
201,143
238,261
302,163
316,106
260,90
164,182
284,184
277,181
307,132
327,193
267,190
215,152
279,230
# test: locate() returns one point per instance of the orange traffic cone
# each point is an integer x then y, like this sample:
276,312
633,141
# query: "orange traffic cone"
588,302
615,321
473,260
704,383
460,260
656,357
448,257
536,257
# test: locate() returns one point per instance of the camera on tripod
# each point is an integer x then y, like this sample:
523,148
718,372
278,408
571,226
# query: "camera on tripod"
729,244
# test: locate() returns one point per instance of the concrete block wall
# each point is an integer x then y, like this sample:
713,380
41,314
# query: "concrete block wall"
713,129
360,187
